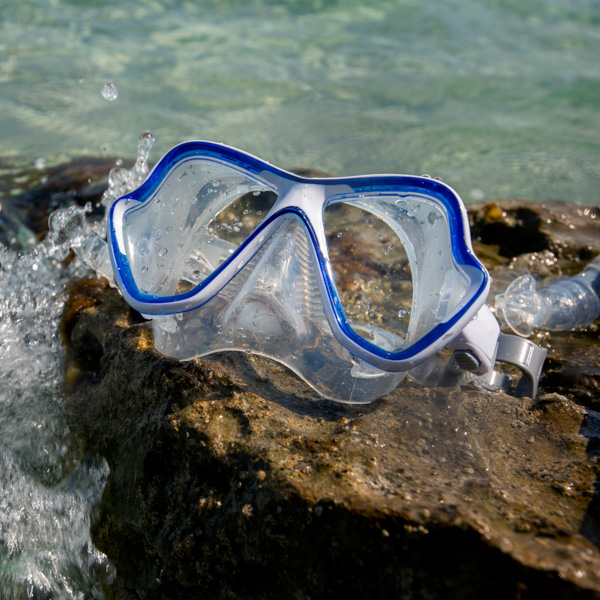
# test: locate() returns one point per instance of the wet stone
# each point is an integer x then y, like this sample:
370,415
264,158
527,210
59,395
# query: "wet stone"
29,193
230,478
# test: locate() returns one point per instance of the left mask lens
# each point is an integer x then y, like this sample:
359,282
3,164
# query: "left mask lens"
191,224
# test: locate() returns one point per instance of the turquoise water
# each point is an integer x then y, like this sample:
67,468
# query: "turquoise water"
500,98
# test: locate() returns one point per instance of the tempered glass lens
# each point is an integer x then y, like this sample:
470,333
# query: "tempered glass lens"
192,223
395,270
372,271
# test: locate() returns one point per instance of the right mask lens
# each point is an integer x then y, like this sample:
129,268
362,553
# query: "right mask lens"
392,259
192,223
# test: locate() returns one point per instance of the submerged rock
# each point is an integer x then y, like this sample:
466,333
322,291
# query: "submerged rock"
230,478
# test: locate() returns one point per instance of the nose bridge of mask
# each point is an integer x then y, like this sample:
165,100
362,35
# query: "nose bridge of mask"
273,307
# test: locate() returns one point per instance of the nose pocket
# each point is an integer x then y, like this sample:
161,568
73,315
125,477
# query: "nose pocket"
273,307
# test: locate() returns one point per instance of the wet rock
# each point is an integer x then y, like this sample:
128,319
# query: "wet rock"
28,195
230,478
520,228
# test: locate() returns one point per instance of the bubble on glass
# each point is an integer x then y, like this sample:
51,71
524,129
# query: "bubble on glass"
110,91
403,313
40,163
162,251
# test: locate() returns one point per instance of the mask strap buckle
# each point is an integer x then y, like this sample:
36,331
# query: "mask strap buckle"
522,353
473,355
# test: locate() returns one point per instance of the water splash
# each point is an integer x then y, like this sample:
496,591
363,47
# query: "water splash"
48,490
110,92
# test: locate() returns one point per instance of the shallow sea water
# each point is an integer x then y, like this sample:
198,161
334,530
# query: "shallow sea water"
500,98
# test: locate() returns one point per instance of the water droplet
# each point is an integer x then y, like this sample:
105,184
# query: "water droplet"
157,234
162,251
403,313
339,234
144,269
119,162
196,274
40,163
211,239
215,183
110,91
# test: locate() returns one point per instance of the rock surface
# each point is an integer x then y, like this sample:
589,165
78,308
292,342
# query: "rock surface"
230,478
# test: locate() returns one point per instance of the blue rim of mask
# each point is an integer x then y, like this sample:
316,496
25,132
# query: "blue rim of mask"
404,184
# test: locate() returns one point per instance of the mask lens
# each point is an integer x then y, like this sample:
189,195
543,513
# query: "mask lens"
395,271
191,224
372,271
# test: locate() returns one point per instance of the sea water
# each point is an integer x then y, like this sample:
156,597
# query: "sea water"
48,488
498,97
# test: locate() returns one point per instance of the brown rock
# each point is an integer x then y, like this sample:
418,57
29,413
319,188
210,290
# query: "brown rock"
230,478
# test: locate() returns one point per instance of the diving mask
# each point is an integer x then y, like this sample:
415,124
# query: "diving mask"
350,282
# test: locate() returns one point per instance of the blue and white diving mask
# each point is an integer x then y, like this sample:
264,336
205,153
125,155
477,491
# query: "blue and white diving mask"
348,281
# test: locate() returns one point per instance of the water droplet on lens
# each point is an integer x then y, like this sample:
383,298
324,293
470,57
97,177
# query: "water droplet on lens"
162,251
110,91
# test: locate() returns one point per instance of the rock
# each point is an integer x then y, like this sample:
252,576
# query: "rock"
28,195
231,479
